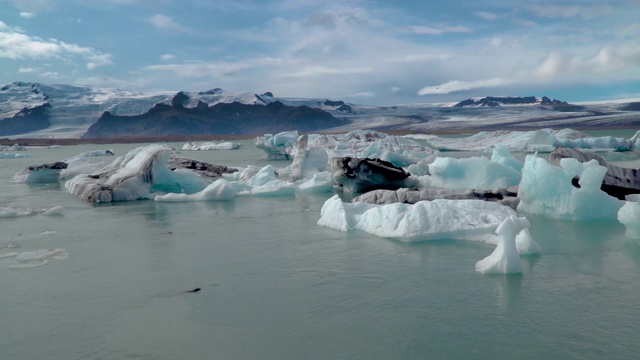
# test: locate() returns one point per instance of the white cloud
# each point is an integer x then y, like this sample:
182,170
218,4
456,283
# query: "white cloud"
394,89
429,30
569,11
27,14
165,22
312,71
456,85
16,45
486,15
363,94
496,42
25,70
50,74
167,57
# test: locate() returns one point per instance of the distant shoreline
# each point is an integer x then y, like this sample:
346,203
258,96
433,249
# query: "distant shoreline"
187,138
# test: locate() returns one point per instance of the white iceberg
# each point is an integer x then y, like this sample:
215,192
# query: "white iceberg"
220,189
629,215
505,258
136,175
571,191
207,146
277,147
473,220
471,173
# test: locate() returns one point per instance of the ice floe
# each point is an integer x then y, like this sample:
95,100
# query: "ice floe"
207,146
473,220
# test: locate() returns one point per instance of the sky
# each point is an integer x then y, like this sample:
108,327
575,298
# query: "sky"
363,52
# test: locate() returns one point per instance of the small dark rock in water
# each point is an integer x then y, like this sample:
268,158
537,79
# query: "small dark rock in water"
194,290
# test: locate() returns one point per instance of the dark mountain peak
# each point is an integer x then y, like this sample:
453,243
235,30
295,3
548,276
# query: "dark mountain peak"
26,120
494,101
268,93
221,119
179,99
201,105
216,91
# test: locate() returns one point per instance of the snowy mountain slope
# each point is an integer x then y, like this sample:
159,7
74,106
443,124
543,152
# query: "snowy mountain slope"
73,109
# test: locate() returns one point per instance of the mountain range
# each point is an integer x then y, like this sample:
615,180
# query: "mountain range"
34,110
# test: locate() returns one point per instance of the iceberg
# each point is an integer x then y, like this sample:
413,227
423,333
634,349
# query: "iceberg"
618,181
206,146
629,216
370,144
505,258
277,147
321,182
507,197
220,189
40,173
136,175
571,191
472,220
471,173
93,153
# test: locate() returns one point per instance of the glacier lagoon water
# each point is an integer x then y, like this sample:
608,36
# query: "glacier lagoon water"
277,286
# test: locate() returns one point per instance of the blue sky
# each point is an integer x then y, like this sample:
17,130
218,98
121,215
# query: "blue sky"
367,52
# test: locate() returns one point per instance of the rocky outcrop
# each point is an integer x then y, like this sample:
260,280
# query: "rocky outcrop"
220,119
493,101
361,175
200,167
27,120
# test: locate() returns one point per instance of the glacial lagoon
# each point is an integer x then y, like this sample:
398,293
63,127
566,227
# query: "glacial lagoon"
275,285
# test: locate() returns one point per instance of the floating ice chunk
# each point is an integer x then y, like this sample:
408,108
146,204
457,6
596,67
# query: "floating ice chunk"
307,161
505,258
220,189
264,183
94,153
629,215
277,146
321,182
15,212
40,173
526,245
205,146
549,190
502,156
13,156
136,175
54,211
473,220
38,257
472,173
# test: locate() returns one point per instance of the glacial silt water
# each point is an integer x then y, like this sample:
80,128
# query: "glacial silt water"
274,285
